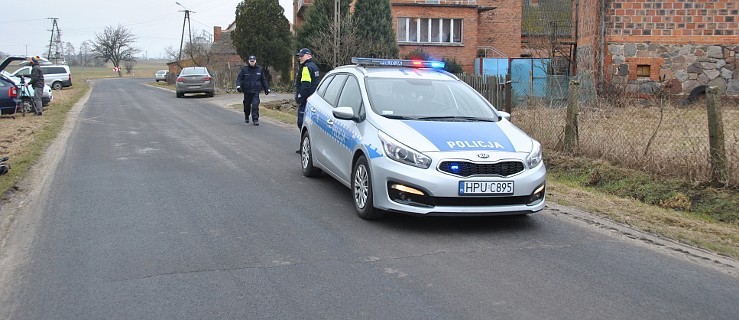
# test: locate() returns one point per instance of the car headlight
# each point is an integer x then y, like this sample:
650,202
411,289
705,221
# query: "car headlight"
535,157
402,153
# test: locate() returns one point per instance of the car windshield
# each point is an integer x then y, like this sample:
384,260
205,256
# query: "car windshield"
425,99
194,71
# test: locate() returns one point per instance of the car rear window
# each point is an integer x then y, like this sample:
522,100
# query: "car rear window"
192,71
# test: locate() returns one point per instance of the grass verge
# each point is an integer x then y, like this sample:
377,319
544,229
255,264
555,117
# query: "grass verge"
25,138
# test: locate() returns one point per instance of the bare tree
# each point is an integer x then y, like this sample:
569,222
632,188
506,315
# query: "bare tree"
115,45
128,64
350,45
85,50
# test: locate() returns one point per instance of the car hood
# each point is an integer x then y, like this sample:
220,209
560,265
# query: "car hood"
447,136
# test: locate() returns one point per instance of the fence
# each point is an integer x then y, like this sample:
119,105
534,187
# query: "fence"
490,87
658,136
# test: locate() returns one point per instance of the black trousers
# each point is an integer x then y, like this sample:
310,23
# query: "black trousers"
251,106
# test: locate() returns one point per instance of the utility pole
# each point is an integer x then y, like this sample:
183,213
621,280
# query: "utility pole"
337,30
52,40
189,32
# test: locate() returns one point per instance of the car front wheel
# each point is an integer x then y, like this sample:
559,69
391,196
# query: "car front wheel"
362,191
306,158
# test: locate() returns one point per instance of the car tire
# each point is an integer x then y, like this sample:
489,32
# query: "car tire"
362,191
27,105
56,85
211,94
306,158
180,94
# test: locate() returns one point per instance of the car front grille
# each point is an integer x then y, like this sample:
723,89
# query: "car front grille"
466,169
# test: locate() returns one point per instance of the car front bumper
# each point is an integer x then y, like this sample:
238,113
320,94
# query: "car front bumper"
396,188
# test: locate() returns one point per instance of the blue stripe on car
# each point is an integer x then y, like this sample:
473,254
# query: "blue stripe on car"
463,136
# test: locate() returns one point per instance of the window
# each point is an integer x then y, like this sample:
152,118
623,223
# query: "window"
428,30
643,70
334,88
322,87
351,95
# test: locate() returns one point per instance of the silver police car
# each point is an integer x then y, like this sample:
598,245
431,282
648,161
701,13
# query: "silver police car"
406,136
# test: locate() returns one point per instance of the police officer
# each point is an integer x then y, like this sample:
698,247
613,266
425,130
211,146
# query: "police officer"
250,81
306,82
37,81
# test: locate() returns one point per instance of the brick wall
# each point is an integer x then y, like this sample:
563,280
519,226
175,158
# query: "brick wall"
464,52
501,28
487,23
671,20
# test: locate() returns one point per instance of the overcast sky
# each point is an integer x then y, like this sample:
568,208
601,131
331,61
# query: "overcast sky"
157,24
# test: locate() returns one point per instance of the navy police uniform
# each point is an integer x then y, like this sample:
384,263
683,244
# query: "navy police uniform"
251,81
306,82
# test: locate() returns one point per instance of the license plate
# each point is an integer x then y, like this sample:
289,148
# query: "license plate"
485,187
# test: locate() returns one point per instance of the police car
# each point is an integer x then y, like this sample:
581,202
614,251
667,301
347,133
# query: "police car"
406,136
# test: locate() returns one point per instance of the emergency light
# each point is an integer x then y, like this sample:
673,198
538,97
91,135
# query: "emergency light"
398,63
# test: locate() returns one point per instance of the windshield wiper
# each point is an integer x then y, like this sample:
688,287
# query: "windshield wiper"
393,116
465,118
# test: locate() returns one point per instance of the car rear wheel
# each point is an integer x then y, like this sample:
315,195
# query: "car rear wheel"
56,85
27,105
211,94
180,94
306,158
362,191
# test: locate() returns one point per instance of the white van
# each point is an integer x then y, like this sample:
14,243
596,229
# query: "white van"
56,76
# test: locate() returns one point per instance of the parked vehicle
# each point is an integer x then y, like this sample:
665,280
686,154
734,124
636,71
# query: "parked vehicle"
28,92
9,91
407,137
161,75
195,80
56,76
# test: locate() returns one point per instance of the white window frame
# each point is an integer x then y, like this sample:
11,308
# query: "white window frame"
405,39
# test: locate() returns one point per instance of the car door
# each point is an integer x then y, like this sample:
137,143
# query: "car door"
344,133
320,114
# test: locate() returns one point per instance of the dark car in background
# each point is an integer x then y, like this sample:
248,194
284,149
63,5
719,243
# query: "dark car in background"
195,80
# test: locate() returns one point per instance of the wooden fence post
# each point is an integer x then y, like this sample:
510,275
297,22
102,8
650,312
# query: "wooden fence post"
571,137
508,93
716,136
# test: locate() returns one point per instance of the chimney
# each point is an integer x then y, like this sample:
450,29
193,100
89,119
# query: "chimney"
216,33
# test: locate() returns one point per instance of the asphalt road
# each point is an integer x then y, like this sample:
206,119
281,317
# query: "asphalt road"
165,208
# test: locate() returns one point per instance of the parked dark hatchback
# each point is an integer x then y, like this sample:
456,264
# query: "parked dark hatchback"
8,90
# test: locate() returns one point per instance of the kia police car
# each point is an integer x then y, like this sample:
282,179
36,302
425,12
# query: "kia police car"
406,136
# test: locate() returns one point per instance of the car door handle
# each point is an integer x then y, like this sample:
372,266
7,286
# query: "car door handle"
313,110
330,122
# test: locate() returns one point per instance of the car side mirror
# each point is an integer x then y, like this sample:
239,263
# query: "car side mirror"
345,113
505,115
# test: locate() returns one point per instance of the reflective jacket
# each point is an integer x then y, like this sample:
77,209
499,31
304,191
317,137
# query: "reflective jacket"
306,80
251,79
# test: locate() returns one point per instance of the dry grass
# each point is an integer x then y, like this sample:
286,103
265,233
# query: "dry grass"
668,140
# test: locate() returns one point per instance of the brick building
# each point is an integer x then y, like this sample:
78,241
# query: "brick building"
451,28
640,44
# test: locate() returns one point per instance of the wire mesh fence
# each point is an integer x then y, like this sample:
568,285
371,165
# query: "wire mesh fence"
660,137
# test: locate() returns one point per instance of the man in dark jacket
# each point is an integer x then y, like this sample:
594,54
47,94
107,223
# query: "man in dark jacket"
306,82
37,81
250,81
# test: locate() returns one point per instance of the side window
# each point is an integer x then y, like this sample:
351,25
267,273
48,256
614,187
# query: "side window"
351,96
334,88
23,72
322,87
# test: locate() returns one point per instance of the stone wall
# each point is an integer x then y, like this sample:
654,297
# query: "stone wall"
678,67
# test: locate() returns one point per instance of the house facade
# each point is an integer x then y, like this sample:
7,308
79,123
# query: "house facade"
459,29
635,45
642,45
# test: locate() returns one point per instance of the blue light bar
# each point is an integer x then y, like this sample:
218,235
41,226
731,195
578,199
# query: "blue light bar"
398,63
